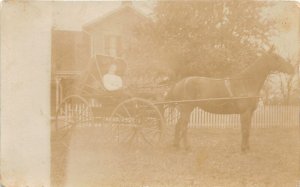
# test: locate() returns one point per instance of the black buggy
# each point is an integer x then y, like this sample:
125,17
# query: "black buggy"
131,119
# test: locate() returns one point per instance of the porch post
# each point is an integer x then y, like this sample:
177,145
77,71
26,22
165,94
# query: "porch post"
60,92
57,100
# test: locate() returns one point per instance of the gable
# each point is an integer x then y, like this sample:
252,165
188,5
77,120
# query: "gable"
124,16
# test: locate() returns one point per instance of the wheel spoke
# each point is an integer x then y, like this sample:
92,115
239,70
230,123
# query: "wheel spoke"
145,139
150,132
139,122
125,134
126,110
74,111
134,135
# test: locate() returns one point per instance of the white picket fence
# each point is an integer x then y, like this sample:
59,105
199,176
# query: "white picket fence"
69,114
264,117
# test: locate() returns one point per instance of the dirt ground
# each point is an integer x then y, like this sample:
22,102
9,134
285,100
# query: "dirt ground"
215,159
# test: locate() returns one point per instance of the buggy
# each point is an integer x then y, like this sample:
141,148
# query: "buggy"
132,119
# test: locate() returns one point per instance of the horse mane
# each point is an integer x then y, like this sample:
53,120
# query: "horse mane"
252,69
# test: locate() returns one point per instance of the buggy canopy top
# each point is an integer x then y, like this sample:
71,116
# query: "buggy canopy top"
91,80
104,62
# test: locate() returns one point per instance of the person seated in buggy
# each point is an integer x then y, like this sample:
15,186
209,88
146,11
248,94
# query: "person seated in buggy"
111,81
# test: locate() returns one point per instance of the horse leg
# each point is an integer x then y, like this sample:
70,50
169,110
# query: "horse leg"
181,131
245,119
180,127
177,134
185,123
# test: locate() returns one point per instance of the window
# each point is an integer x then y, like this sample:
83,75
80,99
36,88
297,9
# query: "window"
113,45
107,45
119,46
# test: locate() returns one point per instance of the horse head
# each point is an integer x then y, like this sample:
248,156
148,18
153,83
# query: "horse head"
278,63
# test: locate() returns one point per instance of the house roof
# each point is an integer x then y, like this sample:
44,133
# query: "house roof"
116,12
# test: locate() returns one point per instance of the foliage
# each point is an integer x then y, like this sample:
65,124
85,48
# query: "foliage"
201,38
281,88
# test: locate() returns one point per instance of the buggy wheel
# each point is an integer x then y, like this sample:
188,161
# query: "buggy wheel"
74,111
137,122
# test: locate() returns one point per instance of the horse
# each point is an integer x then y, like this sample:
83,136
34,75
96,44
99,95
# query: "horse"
240,93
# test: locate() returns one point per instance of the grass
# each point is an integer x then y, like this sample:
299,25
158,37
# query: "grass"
214,160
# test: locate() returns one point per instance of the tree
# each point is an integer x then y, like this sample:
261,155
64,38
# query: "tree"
288,87
202,38
281,89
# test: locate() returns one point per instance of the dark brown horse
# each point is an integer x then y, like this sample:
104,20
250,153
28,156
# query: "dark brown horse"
243,88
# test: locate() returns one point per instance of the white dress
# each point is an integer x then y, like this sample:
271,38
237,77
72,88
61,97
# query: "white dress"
112,82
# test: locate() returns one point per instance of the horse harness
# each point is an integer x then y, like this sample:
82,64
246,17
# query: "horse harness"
227,84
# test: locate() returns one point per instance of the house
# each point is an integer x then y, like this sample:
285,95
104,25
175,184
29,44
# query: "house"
109,35
112,33
70,52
